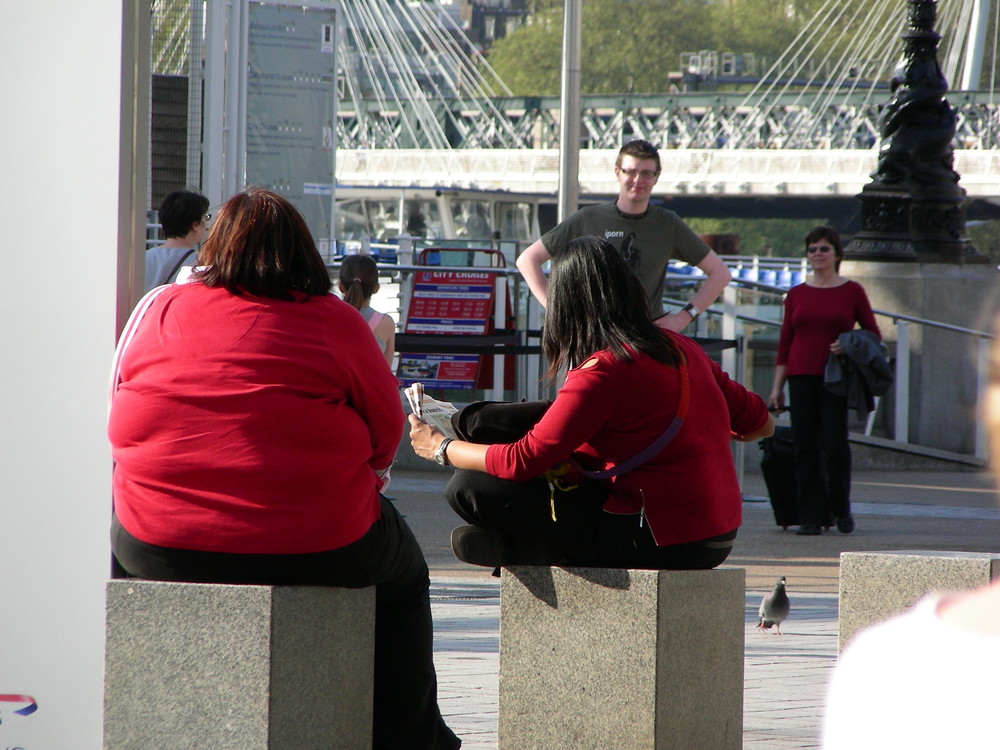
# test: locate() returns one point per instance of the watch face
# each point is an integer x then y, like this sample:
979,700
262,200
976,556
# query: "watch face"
439,453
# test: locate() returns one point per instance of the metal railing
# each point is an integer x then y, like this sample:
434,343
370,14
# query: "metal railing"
709,120
898,420
749,313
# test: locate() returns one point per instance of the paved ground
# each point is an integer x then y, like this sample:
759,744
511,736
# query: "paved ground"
785,675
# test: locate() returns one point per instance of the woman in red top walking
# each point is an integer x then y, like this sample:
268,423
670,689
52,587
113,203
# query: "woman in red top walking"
632,391
816,313
253,422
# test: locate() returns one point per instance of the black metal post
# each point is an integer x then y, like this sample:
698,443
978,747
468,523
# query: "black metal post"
913,209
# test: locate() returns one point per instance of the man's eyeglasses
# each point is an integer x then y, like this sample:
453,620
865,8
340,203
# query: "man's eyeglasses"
818,249
206,218
647,174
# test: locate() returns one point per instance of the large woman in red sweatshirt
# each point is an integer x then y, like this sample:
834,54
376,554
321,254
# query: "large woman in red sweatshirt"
628,384
253,419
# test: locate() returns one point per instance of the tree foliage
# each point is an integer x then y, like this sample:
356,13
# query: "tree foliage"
529,60
985,237
627,46
631,46
762,27
782,238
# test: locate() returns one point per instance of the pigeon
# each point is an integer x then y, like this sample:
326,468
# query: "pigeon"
774,608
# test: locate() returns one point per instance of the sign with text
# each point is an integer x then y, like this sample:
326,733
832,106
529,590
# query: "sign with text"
439,370
291,93
450,302
447,302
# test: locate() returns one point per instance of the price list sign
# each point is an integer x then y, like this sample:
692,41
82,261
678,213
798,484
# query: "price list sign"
447,302
450,302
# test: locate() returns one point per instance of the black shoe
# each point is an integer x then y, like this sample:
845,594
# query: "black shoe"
845,524
809,529
478,546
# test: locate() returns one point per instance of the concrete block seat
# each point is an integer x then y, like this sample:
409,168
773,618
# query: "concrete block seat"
877,585
606,658
237,667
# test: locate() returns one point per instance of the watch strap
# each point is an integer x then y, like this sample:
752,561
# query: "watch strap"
440,455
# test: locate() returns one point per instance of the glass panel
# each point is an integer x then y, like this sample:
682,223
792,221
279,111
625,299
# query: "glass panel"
423,219
472,219
383,218
352,220
514,221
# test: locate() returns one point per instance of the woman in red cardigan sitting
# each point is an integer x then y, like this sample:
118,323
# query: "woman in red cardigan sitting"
643,411
253,421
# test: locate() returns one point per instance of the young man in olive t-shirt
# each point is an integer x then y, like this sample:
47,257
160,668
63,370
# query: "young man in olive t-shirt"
646,236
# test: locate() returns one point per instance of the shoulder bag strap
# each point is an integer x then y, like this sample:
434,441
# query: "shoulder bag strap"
657,445
173,272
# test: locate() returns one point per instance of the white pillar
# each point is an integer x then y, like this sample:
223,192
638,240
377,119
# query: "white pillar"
569,114
74,163
214,140
975,45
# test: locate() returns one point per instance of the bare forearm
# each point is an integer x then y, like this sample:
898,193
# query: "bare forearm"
462,455
777,397
717,277
529,263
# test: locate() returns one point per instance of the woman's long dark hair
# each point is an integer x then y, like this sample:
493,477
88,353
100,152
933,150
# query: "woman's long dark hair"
596,302
260,244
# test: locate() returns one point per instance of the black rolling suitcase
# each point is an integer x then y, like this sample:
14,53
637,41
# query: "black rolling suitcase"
777,464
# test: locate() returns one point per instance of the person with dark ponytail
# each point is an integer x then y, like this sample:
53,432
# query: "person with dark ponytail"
358,282
640,432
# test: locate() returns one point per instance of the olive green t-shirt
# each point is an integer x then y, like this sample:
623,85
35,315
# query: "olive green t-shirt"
646,242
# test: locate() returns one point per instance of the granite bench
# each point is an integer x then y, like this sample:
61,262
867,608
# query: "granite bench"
605,658
237,667
878,585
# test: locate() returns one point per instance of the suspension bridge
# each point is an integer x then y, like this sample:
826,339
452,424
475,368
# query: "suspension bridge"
806,128
418,106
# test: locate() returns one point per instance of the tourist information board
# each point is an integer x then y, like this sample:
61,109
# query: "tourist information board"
447,302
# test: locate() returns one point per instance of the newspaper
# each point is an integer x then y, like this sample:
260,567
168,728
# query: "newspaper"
430,410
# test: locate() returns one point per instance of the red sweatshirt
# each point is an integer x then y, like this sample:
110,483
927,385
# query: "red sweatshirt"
606,413
814,317
251,425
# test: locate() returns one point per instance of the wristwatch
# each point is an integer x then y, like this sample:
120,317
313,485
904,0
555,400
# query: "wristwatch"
441,455
691,310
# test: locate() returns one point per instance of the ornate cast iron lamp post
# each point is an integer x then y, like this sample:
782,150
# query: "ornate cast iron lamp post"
913,209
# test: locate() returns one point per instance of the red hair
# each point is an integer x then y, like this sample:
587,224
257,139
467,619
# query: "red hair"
260,244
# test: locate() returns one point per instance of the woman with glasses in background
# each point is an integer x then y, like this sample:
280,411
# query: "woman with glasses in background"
816,313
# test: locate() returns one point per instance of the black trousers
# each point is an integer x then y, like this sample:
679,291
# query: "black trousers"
584,534
822,453
406,713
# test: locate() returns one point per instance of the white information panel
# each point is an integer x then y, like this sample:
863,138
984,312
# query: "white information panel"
61,66
291,96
